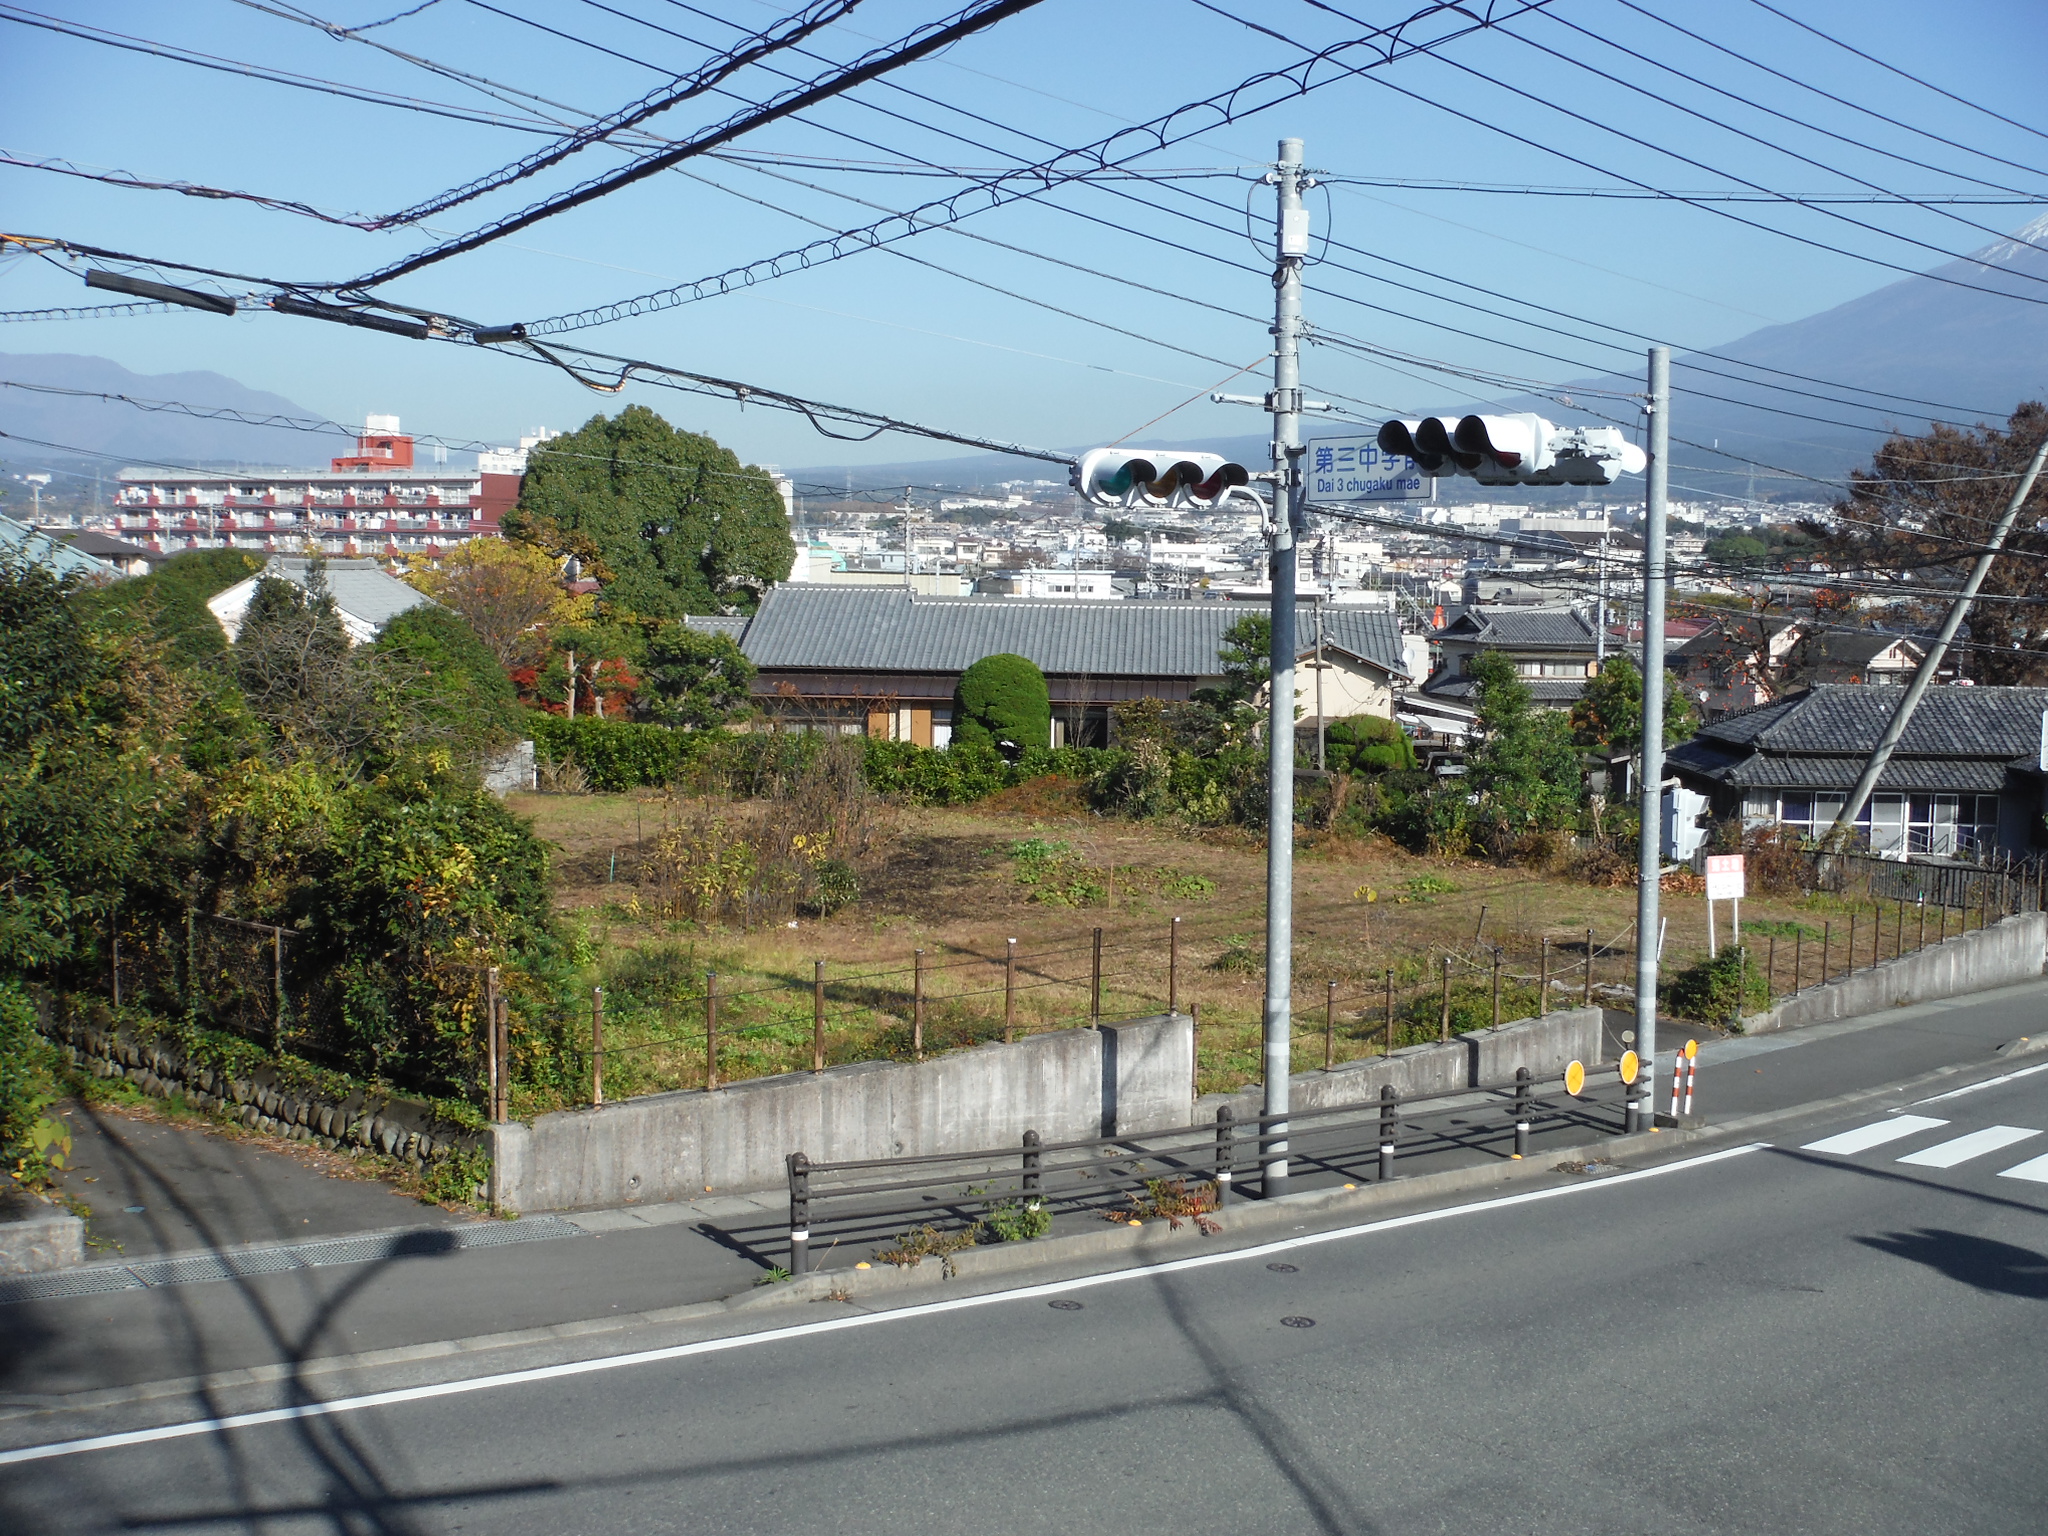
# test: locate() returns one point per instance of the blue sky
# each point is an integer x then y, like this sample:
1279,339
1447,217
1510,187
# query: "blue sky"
882,332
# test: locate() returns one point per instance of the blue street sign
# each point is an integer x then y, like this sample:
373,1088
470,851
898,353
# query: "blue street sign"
1341,469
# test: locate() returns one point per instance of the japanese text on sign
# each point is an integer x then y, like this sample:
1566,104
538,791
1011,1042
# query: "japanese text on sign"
1724,877
1356,469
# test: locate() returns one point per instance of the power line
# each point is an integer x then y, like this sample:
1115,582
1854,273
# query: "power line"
1253,95
917,45
1974,106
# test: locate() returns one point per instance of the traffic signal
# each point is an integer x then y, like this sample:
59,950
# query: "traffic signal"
1165,477
1514,450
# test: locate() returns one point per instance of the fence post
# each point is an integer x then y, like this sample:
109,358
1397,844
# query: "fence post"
1588,1001
1852,943
1771,971
917,1004
596,1047
491,1038
1173,967
1523,1110
1330,1027
1496,986
1226,1153
1899,932
1921,942
1031,1156
1543,982
1798,957
799,1214
1942,937
1095,982
1390,1013
1877,936
1827,932
710,1031
504,1057
1390,1128
1444,1023
817,1015
1010,993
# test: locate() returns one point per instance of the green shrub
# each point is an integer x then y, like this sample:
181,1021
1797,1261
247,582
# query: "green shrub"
1002,700
30,1144
614,755
1016,1221
1709,991
1368,744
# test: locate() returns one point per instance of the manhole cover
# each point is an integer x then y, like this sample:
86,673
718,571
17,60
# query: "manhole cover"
1065,1306
1283,1269
1297,1322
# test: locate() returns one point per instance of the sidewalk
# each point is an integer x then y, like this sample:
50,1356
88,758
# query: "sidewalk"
640,1259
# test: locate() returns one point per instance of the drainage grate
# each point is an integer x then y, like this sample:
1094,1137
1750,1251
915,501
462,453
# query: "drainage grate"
76,1282
197,1268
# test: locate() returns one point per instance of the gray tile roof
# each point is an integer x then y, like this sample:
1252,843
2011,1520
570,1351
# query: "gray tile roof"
28,543
2001,723
1544,690
1944,775
885,629
1522,628
363,589
734,624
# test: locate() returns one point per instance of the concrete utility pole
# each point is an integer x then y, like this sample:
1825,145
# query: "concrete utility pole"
1650,856
1903,715
1290,231
1600,607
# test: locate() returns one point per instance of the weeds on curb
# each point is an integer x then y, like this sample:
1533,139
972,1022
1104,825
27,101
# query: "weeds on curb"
1172,1201
928,1242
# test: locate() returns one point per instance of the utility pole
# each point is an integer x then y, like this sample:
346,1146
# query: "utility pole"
1290,232
1600,606
1931,663
1650,856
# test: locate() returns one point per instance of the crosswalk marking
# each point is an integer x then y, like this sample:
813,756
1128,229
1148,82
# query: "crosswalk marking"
1961,1149
2034,1171
1876,1134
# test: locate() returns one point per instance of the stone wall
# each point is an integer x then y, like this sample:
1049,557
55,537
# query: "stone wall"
40,1241
403,1128
1067,1086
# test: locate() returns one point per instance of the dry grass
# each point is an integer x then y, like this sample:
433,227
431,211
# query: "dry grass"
946,882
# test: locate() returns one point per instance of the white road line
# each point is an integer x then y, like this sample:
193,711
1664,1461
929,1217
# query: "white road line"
1989,1082
2034,1171
1876,1134
1947,1154
829,1325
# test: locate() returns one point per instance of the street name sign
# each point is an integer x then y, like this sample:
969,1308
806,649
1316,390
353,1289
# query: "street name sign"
1345,469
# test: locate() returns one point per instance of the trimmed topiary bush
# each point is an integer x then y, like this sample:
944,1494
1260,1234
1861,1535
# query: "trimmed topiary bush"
1002,700
1368,744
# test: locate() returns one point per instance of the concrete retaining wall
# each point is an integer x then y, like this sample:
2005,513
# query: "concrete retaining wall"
1067,1086
30,1246
2009,951
1482,1058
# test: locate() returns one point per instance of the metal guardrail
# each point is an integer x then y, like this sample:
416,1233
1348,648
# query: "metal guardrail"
1035,1174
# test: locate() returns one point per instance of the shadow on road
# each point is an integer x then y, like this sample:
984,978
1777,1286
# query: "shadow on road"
2004,1269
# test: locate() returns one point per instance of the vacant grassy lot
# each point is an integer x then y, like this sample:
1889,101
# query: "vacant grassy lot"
1034,867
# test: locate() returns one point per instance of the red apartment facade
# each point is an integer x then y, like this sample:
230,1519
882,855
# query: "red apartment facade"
375,502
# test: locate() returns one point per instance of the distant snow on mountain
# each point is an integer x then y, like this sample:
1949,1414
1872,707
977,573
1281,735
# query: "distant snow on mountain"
126,432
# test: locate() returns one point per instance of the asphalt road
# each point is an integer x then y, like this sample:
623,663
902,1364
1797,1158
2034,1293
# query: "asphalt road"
1836,1332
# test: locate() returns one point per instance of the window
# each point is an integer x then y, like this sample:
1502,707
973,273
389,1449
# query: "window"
1898,825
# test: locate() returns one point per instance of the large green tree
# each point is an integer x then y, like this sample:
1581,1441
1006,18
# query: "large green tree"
671,522
1610,712
692,679
1003,700
1525,768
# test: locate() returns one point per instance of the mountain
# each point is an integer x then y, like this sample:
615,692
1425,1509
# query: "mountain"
85,426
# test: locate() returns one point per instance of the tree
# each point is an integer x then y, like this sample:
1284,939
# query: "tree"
172,599
447,684
1610,712
1368,744
1920,515
676,523
1003,700
1526,767
1247,657
502,587
694,679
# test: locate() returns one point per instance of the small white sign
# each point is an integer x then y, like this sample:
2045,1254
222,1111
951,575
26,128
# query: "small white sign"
1342,469
1724,877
